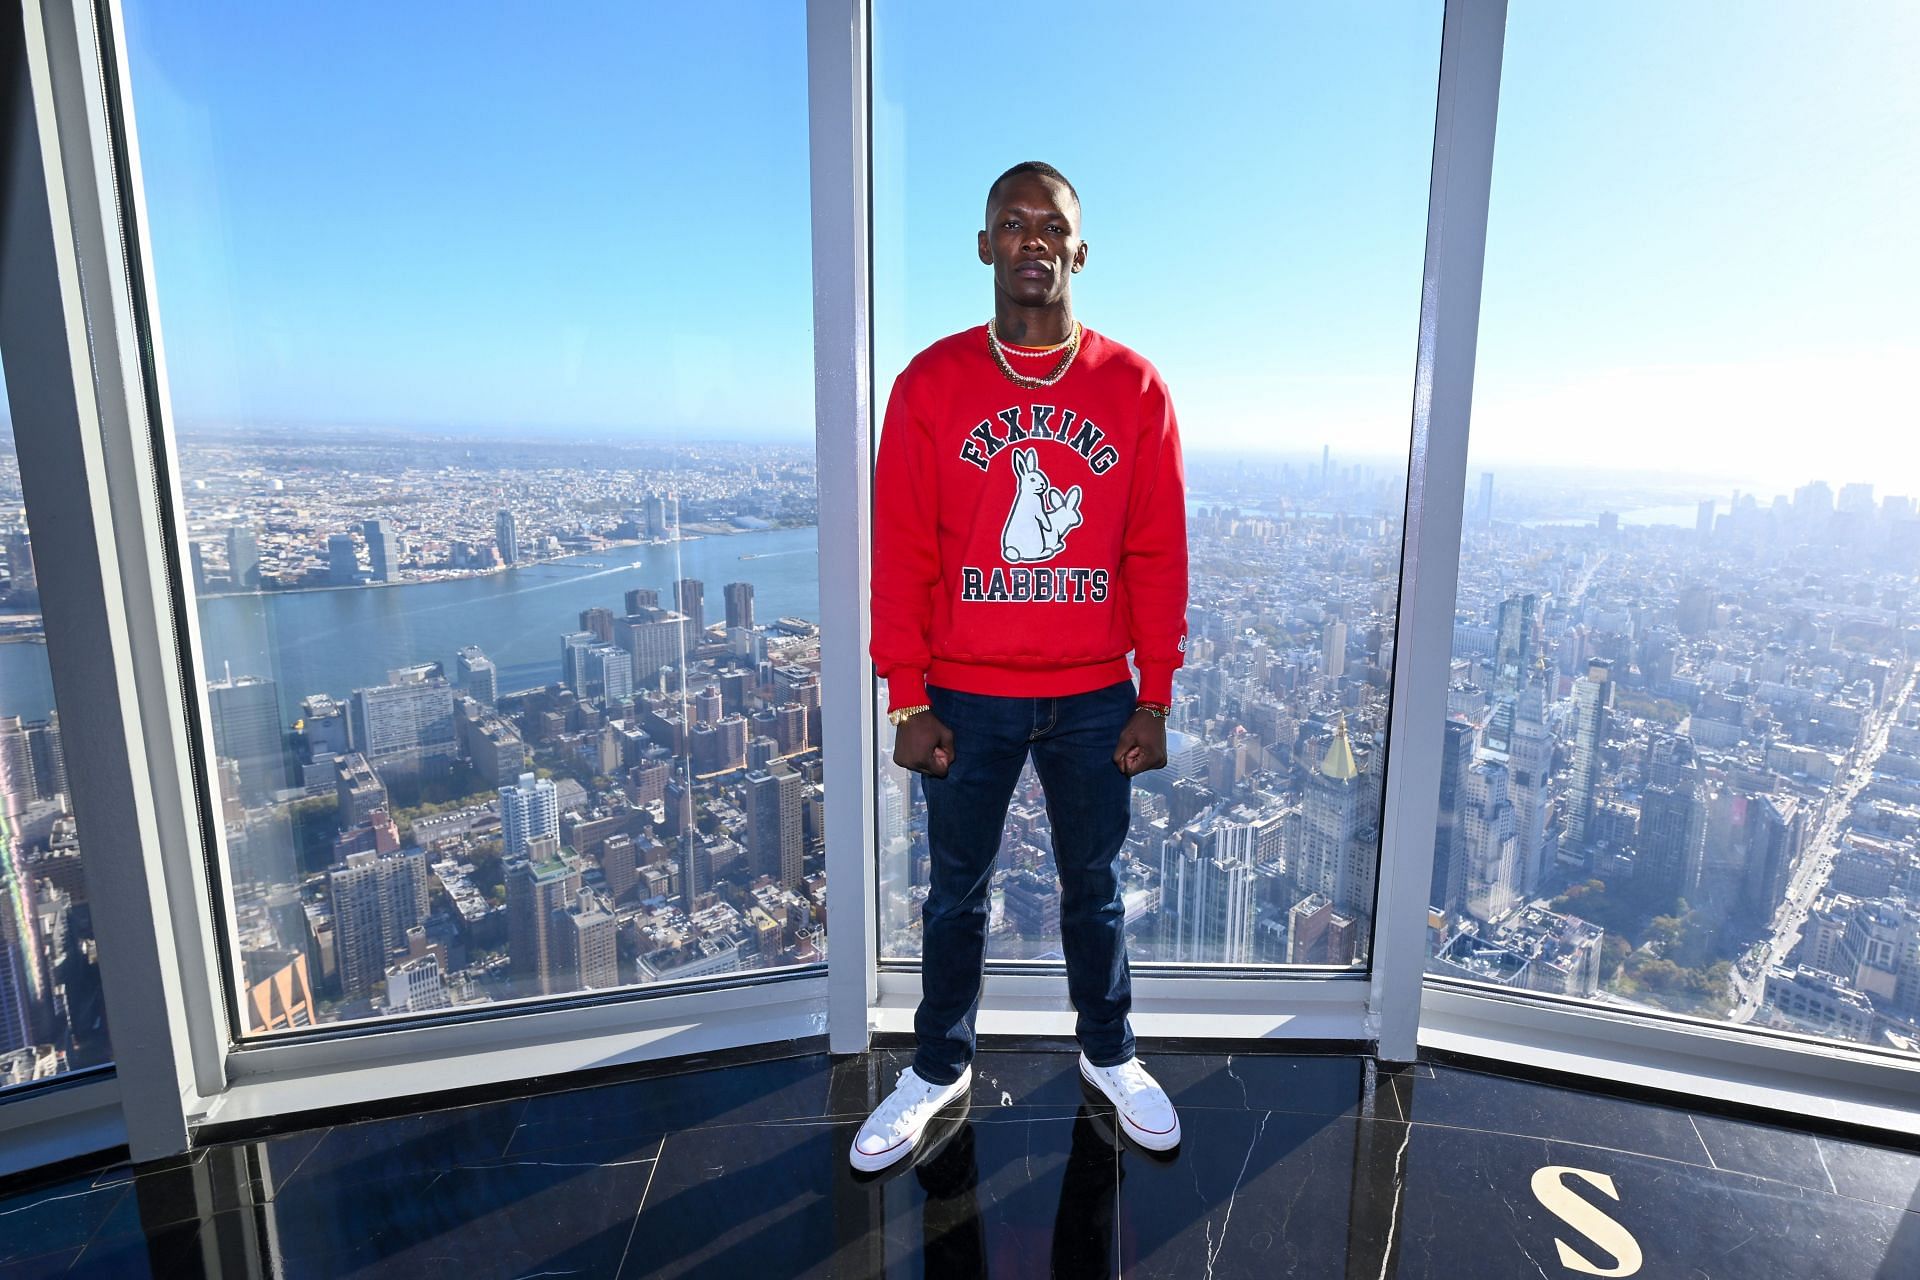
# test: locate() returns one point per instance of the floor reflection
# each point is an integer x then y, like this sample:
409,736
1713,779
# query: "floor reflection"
1296,1165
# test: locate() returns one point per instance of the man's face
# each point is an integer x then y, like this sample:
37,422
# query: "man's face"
1032,240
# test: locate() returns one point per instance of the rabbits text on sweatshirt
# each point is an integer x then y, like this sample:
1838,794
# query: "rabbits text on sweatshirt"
1024,541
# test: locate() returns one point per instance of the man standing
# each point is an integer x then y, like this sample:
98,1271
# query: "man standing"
1029,530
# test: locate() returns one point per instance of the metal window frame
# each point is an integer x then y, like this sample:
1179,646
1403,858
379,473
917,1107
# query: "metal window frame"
1797,1076
837,100
1471,44
74,247
83,485
61,1119
1832,1081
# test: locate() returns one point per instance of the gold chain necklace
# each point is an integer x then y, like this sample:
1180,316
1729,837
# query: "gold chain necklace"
1072,345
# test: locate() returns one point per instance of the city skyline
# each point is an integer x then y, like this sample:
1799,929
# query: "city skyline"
1616,297
1743,680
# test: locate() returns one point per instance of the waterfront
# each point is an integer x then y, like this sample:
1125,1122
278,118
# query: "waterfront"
336,641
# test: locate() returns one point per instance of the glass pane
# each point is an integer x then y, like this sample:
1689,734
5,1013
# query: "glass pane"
1277,291
1682,768
52,1020
491,371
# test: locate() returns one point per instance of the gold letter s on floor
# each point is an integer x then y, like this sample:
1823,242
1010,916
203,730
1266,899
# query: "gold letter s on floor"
1551,1190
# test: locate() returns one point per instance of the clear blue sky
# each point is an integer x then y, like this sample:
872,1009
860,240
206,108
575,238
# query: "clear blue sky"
595,217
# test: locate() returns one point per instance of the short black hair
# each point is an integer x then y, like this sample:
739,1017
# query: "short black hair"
1039,168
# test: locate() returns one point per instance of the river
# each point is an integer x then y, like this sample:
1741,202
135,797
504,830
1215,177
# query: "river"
338,640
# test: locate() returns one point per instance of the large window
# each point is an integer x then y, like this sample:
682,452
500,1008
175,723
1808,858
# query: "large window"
1254,191
1682,764
51,1016
491,389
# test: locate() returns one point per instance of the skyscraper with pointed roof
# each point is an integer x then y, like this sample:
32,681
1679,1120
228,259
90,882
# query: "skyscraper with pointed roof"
1340,831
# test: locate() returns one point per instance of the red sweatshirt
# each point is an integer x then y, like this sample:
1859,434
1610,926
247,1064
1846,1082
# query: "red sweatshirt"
1025,540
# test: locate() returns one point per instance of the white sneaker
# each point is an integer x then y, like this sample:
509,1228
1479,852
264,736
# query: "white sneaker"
895,1126
1146,1115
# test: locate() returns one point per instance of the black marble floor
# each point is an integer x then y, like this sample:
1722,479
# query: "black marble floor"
1318,1166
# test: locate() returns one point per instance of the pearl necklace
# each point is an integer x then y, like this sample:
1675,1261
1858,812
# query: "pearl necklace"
1072,345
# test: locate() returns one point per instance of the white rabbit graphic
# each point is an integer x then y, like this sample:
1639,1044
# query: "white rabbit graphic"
1042,516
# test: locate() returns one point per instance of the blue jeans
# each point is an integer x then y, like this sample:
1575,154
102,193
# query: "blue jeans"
1088,807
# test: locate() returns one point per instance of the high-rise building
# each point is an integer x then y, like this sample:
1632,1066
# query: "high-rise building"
1703,518
1592,695
1493,870
417,986
528,811
1031,901
609,672
1529,761
1333,649
380,549
1514,653
16,768
279,992
539,891
677,796
689,598
1339,831
736,687
358,790
719,746
46,756
1672,839
343,561
376,899
1448,888
774,840
1777,835
656,638
21,575
1856,498
499,752
413,712
17,1000
1320,933
893,808
573,660
478,677
243,559
321,734
247,730
588,936
640,599
506,537
1206,894
1486,497
599,621
739,596
662,515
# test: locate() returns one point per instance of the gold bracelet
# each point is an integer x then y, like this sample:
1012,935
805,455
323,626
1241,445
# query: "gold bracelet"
1152,709
899,714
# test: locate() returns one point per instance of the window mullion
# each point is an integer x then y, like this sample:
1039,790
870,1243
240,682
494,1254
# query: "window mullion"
1470,51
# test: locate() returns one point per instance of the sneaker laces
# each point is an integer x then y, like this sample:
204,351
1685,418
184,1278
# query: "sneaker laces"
903,1099
1134,1076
